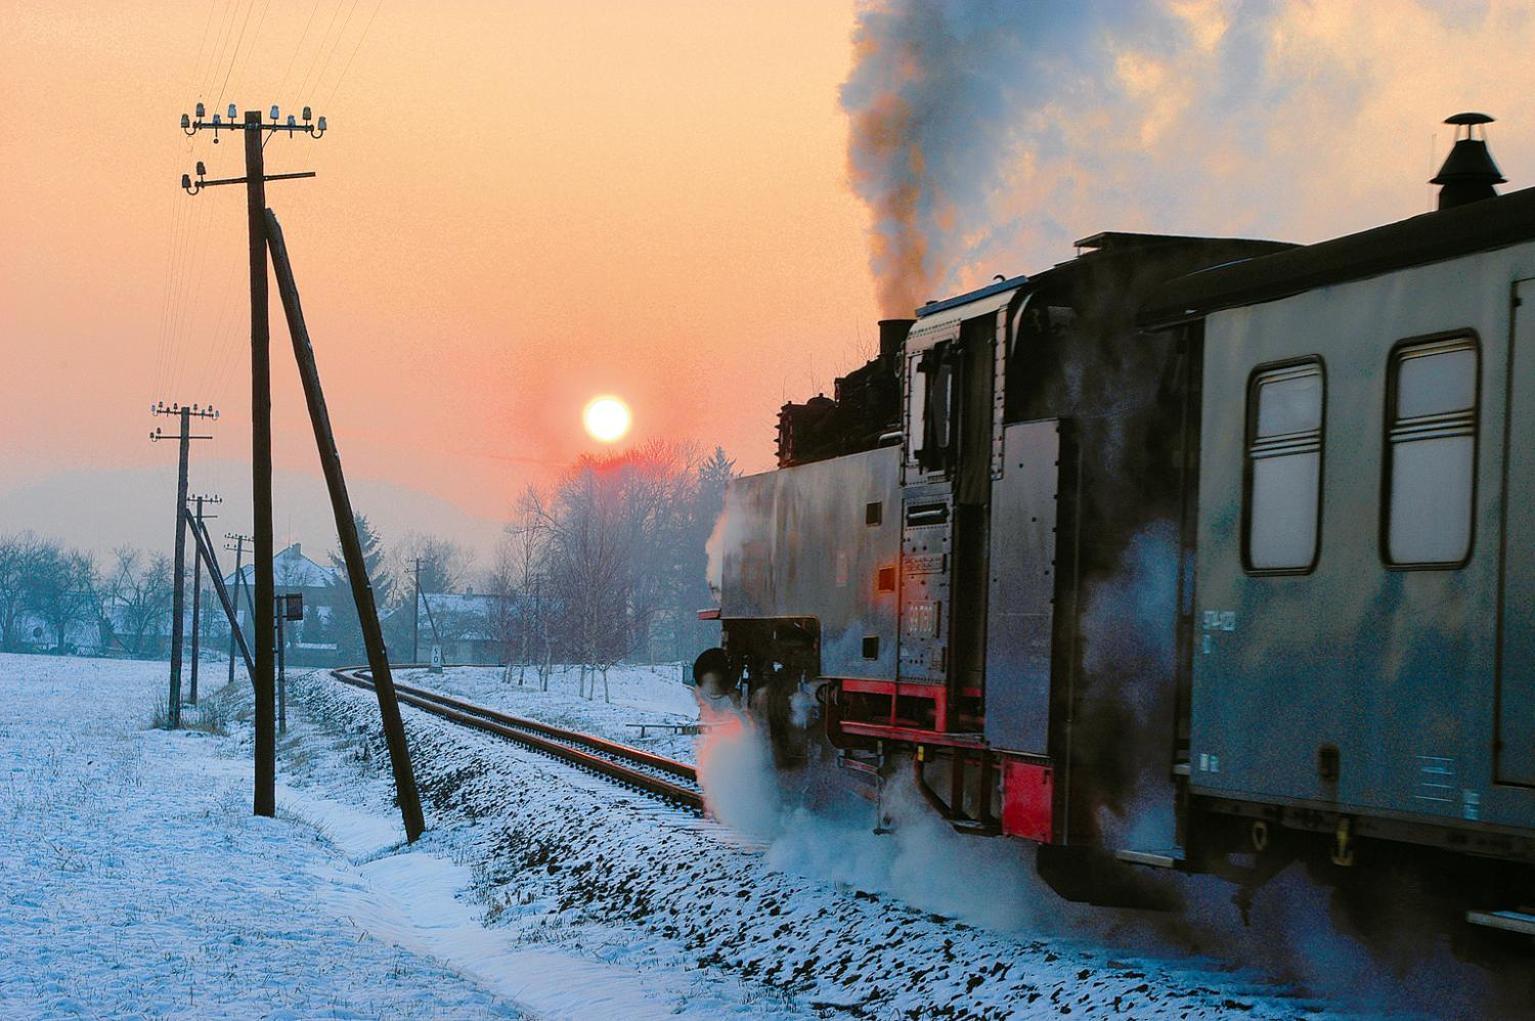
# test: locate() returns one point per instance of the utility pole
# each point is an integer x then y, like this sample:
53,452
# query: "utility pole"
239,552
197,588
282,666
415,642
255,132
186,413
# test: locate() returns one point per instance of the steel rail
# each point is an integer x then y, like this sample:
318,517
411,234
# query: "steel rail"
633,766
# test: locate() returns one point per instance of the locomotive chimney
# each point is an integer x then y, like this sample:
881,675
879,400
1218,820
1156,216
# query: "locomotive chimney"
1468,174
892,334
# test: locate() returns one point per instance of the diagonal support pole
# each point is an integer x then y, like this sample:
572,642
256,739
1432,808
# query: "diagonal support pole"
205,548
346,531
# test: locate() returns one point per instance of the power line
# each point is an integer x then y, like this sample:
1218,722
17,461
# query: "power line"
331,56
222,88
201,45
303,89
225,34
299,47
337,87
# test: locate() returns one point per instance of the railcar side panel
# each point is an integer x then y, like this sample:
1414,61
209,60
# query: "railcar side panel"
1516,673
1330,676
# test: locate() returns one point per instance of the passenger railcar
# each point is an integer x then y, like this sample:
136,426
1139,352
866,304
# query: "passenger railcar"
1201,553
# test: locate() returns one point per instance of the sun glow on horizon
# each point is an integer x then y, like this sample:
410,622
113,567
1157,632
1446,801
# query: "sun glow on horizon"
606,418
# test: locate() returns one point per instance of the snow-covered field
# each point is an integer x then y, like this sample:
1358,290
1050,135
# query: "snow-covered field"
133,882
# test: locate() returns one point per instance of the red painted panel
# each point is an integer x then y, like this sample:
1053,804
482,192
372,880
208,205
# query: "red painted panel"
1028,800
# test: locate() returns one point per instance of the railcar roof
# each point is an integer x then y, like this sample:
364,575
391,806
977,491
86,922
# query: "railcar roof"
1428,237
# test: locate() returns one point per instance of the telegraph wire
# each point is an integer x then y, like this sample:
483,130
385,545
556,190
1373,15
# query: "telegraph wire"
314,62
182,234
335,46
266,5
299,47
218,103
165,294
225,34
193,227
197,262
337,87
201,46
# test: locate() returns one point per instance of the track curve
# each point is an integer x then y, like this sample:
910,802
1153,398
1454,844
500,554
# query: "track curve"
668,779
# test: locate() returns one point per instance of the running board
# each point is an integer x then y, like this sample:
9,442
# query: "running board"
1172,858
1509,921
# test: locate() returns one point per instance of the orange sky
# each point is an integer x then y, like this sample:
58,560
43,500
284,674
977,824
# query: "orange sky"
521,205
518,206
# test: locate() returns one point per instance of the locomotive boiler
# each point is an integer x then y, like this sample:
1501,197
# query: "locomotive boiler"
1204,554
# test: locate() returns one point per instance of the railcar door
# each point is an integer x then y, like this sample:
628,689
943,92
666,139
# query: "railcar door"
1516,680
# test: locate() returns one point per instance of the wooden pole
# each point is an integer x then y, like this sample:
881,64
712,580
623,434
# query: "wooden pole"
265,795
282,671
234,623
178,598
236,635
197,608
346,531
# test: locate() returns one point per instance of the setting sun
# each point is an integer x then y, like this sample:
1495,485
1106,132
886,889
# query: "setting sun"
606,419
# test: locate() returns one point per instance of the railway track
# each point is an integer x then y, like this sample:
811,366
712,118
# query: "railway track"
668,779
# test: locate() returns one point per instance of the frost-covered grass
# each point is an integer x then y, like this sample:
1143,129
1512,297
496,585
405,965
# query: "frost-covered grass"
135,883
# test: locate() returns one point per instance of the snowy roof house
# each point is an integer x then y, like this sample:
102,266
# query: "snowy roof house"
291,569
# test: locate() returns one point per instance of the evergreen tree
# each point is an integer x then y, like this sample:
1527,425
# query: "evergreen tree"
345,628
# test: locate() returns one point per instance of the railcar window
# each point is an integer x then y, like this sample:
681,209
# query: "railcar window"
1284,468
1431,453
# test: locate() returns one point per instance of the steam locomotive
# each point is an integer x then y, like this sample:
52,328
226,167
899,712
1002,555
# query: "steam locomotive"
1190,553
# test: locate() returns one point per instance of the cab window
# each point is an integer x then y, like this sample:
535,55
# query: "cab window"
931,383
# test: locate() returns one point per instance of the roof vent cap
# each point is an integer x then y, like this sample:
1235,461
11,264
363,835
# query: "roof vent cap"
1468,174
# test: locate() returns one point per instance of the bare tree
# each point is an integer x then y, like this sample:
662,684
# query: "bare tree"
61,589
587,566
16,555
520,575
137,598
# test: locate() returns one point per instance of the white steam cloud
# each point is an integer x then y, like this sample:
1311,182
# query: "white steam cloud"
919,859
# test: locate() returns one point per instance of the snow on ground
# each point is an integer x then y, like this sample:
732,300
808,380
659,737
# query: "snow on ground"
828,920
134,881
640,694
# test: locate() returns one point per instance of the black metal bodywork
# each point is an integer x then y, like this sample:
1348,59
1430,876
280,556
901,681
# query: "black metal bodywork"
1056,569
